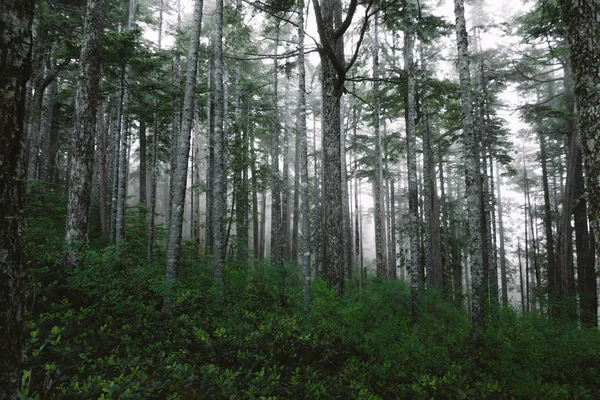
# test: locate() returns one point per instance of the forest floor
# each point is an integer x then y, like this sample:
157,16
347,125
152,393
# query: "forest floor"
98,333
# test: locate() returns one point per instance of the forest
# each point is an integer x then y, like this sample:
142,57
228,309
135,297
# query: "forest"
299,199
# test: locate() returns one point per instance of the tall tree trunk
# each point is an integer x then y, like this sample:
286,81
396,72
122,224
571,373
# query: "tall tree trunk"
565,271
433,252
503,269
472,169
154,175
16,18
240,167
183,145
86,108
143,167
582,20
102,138
123,164
276,227
379,217
285,185
332,80
255,211
411,157
219,197
303,171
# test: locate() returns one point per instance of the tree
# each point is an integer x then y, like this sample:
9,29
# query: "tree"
86,107
219,197
582,20
183,151
331,30
411,159
16,17
473,184
301,132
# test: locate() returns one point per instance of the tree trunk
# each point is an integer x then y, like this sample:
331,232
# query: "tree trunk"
503,269
219,197
175,226
379,217
285,191
82,144
303,172
102,154
143,168
332,79
276,238
16,18
411,157
582,20
472,169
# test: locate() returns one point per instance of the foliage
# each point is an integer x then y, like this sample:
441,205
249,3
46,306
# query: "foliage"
97,332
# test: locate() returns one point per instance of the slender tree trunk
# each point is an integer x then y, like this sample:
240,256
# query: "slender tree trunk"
183,145
503,269
285,185
86,108
303,172
411,157
276,238
154,175
16,18
255,210
379,217
433,252
102,154
219,197
45,130
523,291
143,168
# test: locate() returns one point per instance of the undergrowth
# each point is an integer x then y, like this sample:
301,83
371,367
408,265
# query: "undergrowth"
97,333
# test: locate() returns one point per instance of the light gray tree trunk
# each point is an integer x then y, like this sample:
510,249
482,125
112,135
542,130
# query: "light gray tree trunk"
82,144
276,238
124,149
473,182
175,226
285,176
219,200
16,18
501,238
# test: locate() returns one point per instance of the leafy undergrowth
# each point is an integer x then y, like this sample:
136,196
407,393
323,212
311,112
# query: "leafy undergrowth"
98,332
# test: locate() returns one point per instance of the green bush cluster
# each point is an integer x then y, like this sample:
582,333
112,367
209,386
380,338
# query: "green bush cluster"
97,333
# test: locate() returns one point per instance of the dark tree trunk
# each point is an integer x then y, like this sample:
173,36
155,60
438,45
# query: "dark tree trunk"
582,20
16,17
143,169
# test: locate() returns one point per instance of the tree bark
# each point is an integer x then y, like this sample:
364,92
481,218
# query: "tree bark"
303,161
16,18
582,20
219,197
379,217
183,151
473,182
82,144
411,158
